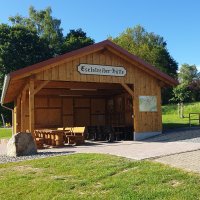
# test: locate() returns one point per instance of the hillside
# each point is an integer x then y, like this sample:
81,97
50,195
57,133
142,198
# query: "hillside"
172,120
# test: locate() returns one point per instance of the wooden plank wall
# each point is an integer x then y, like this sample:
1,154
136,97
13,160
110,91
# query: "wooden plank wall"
144,84
53,112
48,112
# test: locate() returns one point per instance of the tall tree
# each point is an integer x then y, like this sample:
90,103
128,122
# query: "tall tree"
76,39
188,73
148,46
19,47
189,88
49,28
46,26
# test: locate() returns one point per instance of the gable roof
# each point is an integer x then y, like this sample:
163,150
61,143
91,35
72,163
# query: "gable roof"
106,44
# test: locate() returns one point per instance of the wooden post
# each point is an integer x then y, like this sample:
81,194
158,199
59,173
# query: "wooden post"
178,110
23,104
15,117
31,106
134,103
18,129
136,112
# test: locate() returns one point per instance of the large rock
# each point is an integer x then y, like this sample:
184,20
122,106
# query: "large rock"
21,144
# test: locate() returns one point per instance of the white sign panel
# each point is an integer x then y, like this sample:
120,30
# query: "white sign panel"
147,103
102,70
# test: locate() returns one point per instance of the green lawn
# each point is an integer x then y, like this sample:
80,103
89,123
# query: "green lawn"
5,133
95,176
172,120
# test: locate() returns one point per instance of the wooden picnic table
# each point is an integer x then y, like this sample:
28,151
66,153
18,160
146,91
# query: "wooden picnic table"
52,137
73,135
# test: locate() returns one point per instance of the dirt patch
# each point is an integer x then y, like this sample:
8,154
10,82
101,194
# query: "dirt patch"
26,168
123,171
175,183
61,178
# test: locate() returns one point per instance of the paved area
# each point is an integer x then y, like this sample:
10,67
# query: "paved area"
171,142
131,149
189,161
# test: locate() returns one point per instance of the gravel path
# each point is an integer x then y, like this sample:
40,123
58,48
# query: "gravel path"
5,159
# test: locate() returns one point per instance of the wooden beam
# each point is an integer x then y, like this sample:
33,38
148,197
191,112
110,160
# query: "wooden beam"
39,87
128,89
136,109
18,113
82,85
59,92
23,104
17,116
132,94
31,106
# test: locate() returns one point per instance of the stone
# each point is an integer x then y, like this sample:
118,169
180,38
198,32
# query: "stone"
21,144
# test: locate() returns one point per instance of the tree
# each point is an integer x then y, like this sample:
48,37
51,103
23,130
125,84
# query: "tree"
76,39
188,73
189,88
19,47
150,47
181,94
49,28
46,26
194,87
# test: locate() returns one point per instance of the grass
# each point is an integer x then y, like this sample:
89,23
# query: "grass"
171,119
5,133
95,176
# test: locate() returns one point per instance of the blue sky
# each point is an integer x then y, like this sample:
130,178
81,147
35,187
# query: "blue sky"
176,20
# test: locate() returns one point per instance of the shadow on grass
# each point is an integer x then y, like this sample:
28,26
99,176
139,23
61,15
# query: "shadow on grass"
169,126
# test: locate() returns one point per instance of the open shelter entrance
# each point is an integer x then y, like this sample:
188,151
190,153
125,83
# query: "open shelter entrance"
98,85
95,106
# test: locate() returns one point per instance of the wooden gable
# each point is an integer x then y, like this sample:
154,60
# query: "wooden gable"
64,68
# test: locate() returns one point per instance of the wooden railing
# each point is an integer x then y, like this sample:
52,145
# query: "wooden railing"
196,115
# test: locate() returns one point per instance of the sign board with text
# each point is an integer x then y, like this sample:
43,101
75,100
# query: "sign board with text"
102,70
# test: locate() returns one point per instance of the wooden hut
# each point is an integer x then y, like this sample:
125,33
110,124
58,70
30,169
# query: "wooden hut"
101,84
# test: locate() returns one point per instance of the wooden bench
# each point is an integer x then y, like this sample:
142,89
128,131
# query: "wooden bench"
77,135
